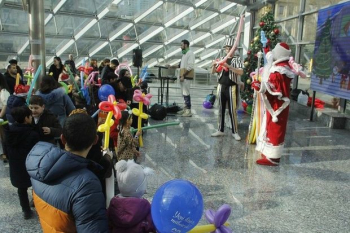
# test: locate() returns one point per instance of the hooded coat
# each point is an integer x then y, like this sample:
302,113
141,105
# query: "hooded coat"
130,215
58,103
19,140
67,194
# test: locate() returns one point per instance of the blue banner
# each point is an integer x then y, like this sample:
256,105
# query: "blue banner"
331,61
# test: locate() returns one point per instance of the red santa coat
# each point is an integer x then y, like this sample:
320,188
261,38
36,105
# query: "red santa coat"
275,93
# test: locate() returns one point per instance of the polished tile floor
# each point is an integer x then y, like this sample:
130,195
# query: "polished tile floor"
308,192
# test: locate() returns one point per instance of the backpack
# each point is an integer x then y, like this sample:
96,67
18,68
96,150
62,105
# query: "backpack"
157,112
211,98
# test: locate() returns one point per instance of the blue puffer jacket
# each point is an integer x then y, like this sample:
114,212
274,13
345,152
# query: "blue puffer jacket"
58,103
67,195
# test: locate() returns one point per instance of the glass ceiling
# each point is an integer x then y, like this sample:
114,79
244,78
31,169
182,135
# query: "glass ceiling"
113,28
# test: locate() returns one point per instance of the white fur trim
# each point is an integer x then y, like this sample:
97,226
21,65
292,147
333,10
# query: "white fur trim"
269,150
274,119
281,60
269,108
148,171
283,70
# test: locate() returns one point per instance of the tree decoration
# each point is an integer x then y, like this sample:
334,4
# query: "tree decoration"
267,24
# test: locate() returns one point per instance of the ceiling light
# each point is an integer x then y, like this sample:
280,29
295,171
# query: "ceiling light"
150,10
173,53
48,18
197,60
176,37
127,50
200,3
175,62
49,62
152,50
202,37
65,47
198,50
204,21
153,64
119,32
85,29
210,54
103,13
205,63
152,34
179,16
115,2
224,25
215,42
98,48
20,51
228,7
59,5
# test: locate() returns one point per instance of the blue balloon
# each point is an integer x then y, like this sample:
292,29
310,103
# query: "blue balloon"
207,104
104,91
177,206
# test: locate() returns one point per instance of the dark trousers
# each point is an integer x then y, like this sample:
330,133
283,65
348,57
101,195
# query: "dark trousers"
227,96
23,199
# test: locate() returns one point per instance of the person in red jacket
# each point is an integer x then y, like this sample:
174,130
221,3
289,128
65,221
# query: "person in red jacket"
128,212
275,87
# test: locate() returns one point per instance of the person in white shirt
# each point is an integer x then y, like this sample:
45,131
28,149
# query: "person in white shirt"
187,62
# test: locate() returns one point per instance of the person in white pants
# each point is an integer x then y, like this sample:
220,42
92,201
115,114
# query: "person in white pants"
187,63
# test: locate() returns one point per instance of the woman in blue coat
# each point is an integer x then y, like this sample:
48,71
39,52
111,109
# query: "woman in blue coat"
55,97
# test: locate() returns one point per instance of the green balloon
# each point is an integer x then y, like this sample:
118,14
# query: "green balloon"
64,85
249,109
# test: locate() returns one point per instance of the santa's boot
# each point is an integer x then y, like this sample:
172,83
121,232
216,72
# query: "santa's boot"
267,162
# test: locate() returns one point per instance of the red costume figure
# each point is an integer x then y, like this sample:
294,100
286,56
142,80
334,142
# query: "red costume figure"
275,91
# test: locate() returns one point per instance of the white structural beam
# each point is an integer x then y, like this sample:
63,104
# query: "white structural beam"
47,20
84,30
178,17
151,50
149,11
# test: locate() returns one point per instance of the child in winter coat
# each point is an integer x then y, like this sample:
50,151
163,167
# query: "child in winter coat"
127,144
19,140
45,122
128,212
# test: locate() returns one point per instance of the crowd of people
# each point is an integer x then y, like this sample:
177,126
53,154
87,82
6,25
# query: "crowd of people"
44,147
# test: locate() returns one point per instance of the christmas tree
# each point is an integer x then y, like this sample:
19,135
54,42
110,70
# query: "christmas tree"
323,57
267,24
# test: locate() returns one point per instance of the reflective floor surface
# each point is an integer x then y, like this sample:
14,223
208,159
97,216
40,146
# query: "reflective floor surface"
308,192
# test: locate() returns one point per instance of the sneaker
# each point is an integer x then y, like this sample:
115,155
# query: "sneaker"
187,113
4,158
236,136
218,134
27,214
180,112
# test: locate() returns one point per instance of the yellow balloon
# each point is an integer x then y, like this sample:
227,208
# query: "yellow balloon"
144,116
205,228
101,128
135,111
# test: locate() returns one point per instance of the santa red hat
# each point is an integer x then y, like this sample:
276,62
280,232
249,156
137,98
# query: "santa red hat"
281,52
21,90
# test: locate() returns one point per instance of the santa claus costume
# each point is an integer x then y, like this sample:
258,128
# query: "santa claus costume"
275,91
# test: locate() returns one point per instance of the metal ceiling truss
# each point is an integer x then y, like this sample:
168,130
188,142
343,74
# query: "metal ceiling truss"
95,19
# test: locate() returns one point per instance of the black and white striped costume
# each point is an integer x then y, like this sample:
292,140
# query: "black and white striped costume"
229,94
